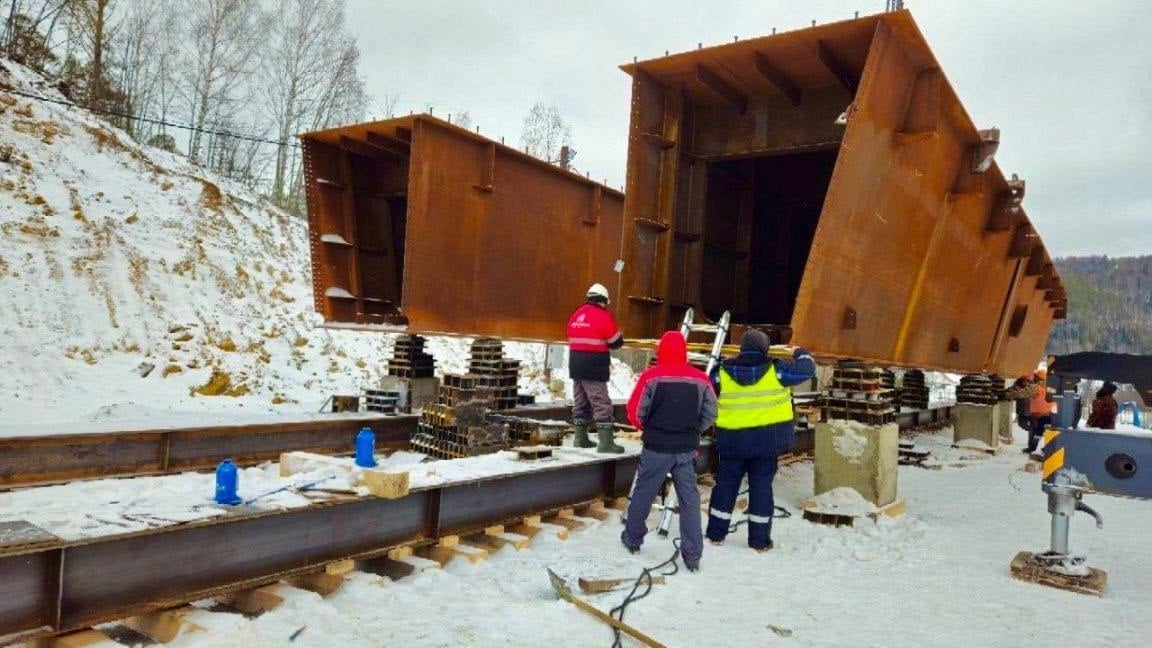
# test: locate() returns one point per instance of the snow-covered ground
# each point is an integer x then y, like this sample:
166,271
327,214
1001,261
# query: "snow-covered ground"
937,576
130,277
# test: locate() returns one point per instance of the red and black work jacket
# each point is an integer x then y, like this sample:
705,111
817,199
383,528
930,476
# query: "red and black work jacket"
592,332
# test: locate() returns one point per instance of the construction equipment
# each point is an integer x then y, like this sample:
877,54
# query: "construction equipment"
565,593
1076,462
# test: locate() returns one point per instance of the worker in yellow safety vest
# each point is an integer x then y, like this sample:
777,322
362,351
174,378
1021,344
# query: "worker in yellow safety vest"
754,425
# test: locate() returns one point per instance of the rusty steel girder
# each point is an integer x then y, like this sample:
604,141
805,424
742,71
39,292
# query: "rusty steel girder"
829,181
421,225
53,586
45,459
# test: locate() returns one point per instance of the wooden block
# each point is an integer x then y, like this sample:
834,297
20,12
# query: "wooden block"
340,567
568,522
1032,466
895,509
421,564
601,585
166,625
742,503
595,510
400,552
393,569
525,530
566,513
495,529
1026,569
472,553
706,480
619,504
322,583
436,553
531,520
496,541
81,639
259,600
299,462
385,484
449,541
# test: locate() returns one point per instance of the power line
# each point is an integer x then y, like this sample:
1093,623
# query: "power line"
154,121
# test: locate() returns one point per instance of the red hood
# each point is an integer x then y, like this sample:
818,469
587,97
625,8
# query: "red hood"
672,350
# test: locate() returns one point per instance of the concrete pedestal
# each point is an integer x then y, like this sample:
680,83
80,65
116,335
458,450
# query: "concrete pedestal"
859,456
1005,410
976,422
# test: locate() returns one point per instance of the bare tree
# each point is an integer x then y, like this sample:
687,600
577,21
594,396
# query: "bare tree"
296,71
545,132
219,58
96,27
463,119
386,105
28,29
147,57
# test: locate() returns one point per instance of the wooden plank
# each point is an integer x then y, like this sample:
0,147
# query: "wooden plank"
436,553
601,585
340,567
322,583
81,639
386,484
1024,568
256,601
595,510
165,625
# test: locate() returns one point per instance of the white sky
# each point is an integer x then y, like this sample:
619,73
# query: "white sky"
1068,83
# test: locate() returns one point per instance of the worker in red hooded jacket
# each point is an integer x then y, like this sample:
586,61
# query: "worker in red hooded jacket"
672,403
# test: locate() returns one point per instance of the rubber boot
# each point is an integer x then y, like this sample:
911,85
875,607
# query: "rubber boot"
581,439
604,430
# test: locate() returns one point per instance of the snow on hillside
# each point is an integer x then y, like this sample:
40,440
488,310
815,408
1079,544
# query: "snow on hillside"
115,257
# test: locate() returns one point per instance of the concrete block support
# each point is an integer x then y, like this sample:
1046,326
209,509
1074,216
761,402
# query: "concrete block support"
1005,410
976,422
859,456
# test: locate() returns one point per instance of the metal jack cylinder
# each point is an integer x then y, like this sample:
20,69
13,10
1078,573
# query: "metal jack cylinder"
1061,504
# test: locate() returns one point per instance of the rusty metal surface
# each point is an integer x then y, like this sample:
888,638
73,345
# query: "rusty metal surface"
35,460
417,223
920,255
68,586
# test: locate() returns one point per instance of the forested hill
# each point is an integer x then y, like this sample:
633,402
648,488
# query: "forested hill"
1109,305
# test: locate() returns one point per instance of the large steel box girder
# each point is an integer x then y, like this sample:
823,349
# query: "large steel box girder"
921,255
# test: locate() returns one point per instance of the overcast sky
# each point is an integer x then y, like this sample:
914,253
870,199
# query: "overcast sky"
1068,83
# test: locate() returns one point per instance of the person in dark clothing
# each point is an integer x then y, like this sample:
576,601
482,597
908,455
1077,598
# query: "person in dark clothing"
1021,392
592,333
672,403
1104,406
754,425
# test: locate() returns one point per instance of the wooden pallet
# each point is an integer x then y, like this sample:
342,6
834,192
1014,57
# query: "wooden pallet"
1024,567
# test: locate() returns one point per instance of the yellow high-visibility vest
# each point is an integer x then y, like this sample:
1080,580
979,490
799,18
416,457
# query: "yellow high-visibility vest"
764,402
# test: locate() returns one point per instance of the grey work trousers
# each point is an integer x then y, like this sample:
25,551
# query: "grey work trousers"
591,401
654,467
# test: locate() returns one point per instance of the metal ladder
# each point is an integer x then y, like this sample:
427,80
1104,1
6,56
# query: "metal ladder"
720,330
668,501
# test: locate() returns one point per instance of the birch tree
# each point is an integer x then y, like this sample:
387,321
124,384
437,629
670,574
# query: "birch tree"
545,131
223,43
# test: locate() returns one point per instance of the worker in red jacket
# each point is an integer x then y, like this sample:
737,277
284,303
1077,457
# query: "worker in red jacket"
592,333
672,403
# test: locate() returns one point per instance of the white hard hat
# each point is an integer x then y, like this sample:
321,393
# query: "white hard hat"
598,290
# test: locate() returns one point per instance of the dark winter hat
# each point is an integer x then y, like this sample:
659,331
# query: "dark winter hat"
754,340
1108,389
